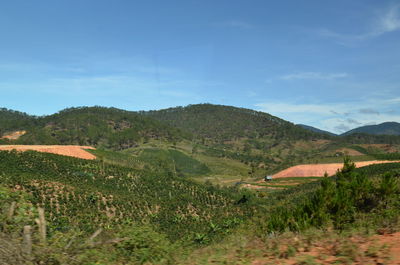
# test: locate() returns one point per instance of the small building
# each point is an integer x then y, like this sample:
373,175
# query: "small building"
267,178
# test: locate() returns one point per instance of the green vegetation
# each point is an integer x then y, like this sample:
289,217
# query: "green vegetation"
159,218
386,128
261,143
91,194
152,191
342,201
96,126
11,120
337,215
175,161
217,122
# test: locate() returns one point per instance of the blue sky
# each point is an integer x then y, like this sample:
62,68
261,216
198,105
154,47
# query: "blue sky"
330,64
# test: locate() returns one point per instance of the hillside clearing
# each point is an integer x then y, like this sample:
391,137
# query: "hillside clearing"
66,150
318,170
14,135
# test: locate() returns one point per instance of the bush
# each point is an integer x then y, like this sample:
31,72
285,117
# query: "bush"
339,201
142,244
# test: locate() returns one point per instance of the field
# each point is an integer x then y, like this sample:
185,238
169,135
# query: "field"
318,170
165,218
66,150
302,174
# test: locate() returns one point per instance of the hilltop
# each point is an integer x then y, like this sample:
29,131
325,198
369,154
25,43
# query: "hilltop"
221,122
386,128
11,120
313,129
95,126
221,137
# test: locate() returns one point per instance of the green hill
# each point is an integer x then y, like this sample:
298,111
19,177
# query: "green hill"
386,128
313,129
11,120
220,122
90,194
97,126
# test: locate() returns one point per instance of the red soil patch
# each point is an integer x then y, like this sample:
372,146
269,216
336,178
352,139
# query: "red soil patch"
318,170
14,135
66,150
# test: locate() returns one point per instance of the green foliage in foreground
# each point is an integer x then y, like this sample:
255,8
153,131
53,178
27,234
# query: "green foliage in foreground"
89,194
152,218
133,243
341,201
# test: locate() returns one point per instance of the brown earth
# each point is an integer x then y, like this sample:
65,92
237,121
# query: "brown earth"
318,170
14,135
387,148
378,249
66,150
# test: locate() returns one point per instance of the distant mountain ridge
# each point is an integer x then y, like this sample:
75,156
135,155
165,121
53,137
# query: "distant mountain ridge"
386,128
313,129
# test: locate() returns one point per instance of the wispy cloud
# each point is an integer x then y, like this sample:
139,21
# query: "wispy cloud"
314,75
277,107
335,117
389,22
353,121
394,100
369,111
234,24
341,128
386,22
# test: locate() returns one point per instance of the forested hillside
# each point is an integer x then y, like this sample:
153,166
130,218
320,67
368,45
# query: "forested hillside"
11,120
226,123
96,126
386,128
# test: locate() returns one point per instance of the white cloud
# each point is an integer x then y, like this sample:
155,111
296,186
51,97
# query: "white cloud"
369,111
314,75
280,108
386,22
394,100
389,22
334,117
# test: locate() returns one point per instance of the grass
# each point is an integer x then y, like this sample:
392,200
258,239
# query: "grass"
313,246
224,171
175,160
339,159
284,183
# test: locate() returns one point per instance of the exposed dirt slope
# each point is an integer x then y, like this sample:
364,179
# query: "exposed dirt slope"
66,150
14,135
318,170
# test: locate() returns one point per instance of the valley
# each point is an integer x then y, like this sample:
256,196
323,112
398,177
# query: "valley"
183,185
